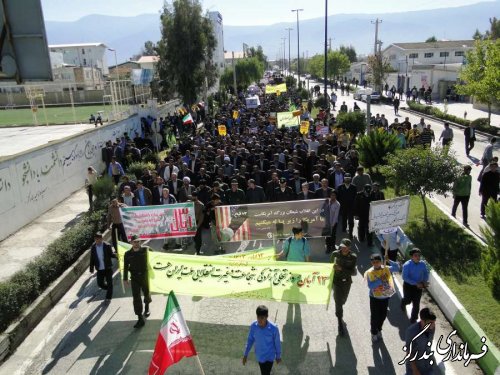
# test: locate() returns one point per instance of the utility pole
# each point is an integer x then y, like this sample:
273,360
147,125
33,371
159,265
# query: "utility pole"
329,43
376,23
234,77
289,68
326,53
284,54
298,46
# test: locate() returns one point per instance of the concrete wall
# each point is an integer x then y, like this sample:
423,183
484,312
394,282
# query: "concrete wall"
59,97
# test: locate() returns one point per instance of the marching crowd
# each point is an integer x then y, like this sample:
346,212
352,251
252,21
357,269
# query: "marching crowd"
258,162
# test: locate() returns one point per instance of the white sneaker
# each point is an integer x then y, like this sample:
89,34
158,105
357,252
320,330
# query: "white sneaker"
374,338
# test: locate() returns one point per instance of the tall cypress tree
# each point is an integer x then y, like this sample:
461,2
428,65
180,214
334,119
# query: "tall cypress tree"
185,50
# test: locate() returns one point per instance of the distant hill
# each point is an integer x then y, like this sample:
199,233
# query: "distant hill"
128,34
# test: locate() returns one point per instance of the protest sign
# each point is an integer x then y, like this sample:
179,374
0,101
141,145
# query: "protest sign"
252,102
267,220
222,130
322,130
210,276
389,213
274,89
166,221
287,119
304,127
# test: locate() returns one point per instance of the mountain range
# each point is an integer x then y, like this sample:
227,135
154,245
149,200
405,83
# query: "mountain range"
128,34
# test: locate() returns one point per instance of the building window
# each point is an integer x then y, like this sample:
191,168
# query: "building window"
392,57
444,54
459,53
84,61
83,51
428,55
413,56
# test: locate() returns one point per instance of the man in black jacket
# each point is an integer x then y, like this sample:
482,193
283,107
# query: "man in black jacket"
135,261
255,193
100,259
488,188
346,195
283,193
362,212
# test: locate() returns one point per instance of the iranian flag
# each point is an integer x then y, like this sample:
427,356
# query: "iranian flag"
174,340
188,119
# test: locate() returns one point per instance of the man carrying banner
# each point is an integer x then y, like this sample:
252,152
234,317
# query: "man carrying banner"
136,261
344,265
296,248
266,337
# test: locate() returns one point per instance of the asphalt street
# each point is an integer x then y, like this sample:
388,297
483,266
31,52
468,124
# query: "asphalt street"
82,335
458,145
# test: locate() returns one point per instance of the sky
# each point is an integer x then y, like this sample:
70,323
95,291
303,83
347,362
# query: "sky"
242,12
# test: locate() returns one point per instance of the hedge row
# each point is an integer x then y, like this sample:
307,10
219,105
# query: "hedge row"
480,123
17,293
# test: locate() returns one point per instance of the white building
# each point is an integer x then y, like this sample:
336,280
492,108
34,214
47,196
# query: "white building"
83,55
435,64
148,62
228,57
218,29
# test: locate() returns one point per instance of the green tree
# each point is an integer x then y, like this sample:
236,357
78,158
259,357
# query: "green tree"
432,39
338,64
352,122
350,52
494,31
248,70
378,69
490,258
258,53
422,171
186,50
149,49
481,74
375,146
477,35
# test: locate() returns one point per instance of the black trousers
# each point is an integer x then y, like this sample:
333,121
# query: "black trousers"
469,145
105,281
484,202
412,294
340,293
198,239
140,283
465,203
378,314
332,238
363,231
116,178
91,195
347,217
118,230
266,367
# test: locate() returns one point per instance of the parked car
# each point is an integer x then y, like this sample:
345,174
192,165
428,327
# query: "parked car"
374,97
360,91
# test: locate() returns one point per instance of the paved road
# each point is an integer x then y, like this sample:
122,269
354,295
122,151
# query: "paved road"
18,139
458,145
83,336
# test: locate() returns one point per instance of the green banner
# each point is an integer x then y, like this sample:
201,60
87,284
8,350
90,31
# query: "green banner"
287,119
267,253
217,276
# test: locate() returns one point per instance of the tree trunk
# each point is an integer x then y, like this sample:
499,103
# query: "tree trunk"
489,114
426,217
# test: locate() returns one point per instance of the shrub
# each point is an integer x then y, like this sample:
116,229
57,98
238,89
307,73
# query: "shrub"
103,188
483,125
320,102
375,146
151,158
290,82
25,286
352,122
490,258
138,167
304,94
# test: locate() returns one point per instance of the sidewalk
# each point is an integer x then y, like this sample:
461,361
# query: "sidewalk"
30,241
458,109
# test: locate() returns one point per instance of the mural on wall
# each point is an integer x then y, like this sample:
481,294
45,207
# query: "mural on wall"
6,190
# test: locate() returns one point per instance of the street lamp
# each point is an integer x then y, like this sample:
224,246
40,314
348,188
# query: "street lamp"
326,54
289,29
298,45
116,64
284,54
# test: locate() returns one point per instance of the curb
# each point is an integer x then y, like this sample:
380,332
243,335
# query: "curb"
17,332
417,113
467,327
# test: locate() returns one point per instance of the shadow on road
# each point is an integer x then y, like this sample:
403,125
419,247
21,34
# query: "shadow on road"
345,358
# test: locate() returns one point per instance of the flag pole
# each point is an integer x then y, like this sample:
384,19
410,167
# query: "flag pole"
121,275
199,364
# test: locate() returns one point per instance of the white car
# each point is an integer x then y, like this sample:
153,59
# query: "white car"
374,97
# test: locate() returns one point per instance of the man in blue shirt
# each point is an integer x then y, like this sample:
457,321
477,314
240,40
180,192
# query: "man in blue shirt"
266,337
416,278
296,248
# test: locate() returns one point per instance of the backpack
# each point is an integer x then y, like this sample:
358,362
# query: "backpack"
289,239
